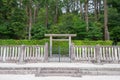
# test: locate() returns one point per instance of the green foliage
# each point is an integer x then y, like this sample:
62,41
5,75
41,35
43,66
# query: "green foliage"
38,31
66,23
79,28
55,43
116,34
70,24
60,46
13,20
4,31
54,29
80,42
23,42
95,31
113,18
118,43
59,16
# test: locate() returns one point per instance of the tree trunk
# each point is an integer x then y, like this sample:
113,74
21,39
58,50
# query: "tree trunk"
56,13
86,15
20,3
81,10
34,16
95,8
46,21
67,6
30,21
106,33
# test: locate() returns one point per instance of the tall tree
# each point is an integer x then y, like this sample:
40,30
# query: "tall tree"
106,33
86,14
56,12
95,11
81,9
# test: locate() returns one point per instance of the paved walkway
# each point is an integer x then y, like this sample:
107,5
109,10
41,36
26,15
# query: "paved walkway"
80,65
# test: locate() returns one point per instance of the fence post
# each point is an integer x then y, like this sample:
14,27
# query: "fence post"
72,52
21,54
97,51
116,54
4,54
46,52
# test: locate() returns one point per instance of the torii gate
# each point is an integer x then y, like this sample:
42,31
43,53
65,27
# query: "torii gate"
59,35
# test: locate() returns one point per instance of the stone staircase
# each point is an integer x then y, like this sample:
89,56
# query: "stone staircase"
59,71
74,72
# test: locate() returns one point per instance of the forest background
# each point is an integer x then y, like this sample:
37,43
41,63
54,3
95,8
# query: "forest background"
31,19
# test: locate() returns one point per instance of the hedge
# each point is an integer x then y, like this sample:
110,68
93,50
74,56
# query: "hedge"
82,42
55,43
23,42
118,43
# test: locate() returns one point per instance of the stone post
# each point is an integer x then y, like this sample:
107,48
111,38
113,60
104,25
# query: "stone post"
46,52
72,53
50,46
69,45
21,54
97,51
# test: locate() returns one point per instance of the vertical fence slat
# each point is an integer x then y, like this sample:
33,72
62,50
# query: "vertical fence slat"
77,53
80,52
88,53
101,53
27,53
13,52
38,51
91,53
1,53
4,55
85,52
119,52
7,52
109,53
94,52
116,56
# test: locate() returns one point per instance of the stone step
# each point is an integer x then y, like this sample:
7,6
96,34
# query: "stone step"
58,74
60,71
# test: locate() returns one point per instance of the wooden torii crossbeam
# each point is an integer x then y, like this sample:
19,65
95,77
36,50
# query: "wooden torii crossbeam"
59,35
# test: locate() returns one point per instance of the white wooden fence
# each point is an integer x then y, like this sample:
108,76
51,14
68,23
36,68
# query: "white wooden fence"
95,53
24,53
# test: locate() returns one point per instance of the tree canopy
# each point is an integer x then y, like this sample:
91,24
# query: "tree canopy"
31,19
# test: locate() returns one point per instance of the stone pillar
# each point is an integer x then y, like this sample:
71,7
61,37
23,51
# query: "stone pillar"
21,54
46,52
50,46
97,52
69,45
72,52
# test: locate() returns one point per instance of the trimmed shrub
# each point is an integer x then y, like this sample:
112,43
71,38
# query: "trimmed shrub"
23,42
82,42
